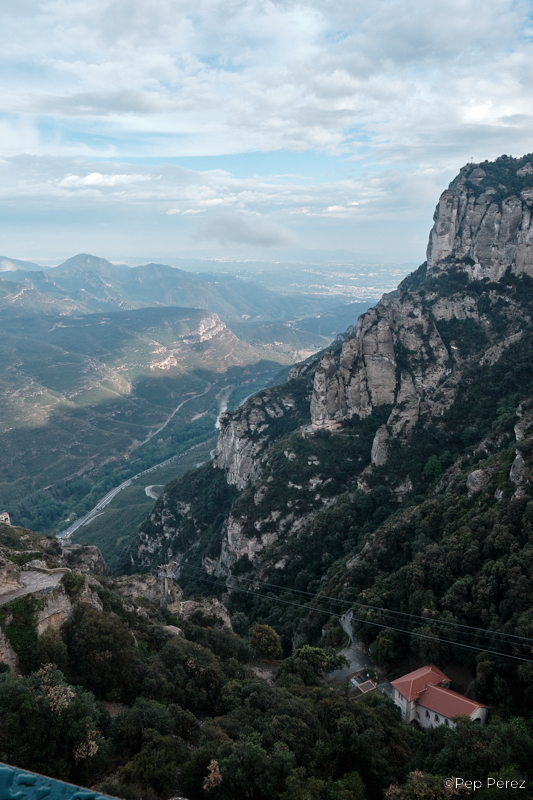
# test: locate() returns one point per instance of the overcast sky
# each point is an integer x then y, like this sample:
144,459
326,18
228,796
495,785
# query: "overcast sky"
250,127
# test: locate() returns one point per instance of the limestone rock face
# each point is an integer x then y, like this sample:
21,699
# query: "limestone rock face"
160,589
519,470
209,607
476,481
85,557
57,608
397,356
246,433
475,227
9,576
7,654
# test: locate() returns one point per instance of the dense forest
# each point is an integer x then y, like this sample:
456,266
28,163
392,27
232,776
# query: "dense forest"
189,715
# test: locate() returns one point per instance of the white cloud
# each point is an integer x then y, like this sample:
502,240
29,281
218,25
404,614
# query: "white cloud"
173,211
409,90
227,77
98,179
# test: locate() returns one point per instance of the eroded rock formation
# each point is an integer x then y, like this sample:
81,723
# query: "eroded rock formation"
246,433
397,356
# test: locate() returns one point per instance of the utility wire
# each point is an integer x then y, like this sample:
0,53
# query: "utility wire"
376,624
484,633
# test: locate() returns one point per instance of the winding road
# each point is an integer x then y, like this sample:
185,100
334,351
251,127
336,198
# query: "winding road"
113,493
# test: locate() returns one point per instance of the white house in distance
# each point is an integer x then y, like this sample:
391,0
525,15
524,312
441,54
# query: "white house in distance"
424,696
4,517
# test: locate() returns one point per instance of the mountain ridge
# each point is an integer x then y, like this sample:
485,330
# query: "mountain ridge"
89,284
416,410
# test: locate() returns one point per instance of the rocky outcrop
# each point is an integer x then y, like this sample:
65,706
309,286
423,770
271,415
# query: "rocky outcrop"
208,607
245,434
477,480
477,228
397,356
9,576
160,589
85,557
7,654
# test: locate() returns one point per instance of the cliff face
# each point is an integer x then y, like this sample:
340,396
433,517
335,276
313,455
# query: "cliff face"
398,356
245,434
476,228
63,577
407,367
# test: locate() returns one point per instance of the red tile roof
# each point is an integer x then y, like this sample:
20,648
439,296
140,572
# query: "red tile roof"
448,703
415,682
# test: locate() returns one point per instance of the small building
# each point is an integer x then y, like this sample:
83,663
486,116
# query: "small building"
424,695
4,517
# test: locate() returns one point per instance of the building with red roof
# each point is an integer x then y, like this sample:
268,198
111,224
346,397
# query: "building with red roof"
424,695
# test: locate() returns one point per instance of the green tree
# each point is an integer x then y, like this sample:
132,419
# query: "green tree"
433,468
265,641
321,660
155,765
48,726
240,623
103,653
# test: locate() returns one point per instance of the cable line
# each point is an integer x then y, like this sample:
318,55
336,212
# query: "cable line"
378,624
483,633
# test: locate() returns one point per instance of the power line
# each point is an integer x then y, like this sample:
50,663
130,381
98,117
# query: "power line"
484,633
376,624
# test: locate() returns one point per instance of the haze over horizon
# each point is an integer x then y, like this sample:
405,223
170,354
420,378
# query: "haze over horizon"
250,129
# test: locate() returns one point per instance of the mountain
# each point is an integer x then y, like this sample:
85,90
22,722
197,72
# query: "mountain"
13,264
384,490
80,392
392,475
88,284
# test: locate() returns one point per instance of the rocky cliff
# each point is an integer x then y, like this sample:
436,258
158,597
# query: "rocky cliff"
41,583
482,222
400,354
457,329
246,434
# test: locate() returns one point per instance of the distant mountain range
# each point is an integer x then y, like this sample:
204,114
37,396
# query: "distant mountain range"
87,284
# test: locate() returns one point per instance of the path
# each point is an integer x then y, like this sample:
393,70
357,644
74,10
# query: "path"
33,581
149,491
359,661
113,493
164,425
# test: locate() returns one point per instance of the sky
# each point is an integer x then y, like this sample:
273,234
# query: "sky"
250,128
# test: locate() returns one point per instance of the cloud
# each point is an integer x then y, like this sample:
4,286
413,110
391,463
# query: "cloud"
188,78
173,211
397,94
229,228
98,179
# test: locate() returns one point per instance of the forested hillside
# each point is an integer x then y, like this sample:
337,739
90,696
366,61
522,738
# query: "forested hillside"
142,694
392,476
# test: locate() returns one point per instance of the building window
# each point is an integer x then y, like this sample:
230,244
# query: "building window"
446,723
427,714
417,715
437,718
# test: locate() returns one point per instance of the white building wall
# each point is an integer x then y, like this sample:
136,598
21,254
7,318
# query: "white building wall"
428,719
407,708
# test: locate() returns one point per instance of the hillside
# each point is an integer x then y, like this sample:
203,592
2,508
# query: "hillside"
81,394
88,284
392,475
130,689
